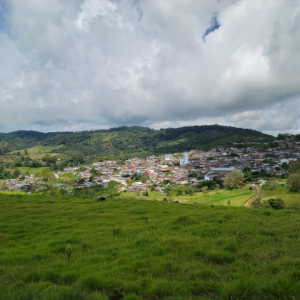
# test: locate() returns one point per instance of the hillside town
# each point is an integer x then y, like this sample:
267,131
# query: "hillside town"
179,168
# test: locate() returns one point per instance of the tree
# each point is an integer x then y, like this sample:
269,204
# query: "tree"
205,190
26,161
283,136
294,167
25,151
209,183
18,163
234,179
81,181
47,175
16,173
49,160
35,164
179,192
95,172
190,191
153,187
294,182
248,177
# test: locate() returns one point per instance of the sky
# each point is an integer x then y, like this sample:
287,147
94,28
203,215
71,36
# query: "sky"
69,65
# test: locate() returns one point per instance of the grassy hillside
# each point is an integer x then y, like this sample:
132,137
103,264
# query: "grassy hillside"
40,149
129,249
128,141
282,192
237,197
140,141
23,139
28,171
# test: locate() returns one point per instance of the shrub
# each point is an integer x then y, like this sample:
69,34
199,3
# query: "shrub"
179,192
256,203
276,203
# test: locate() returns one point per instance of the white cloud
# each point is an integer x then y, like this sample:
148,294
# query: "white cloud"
99,63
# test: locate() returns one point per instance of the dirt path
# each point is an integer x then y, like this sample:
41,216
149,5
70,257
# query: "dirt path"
248,202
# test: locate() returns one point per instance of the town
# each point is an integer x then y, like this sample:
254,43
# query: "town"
190,168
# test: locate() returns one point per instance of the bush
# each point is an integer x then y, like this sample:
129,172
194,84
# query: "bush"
276,203
179,192
190,191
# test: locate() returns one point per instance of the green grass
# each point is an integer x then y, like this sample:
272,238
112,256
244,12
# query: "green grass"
26,170
38,150
281,192
237,197
130,249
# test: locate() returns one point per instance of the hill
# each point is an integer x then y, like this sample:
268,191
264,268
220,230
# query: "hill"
131,141
22,139
75,248
136,140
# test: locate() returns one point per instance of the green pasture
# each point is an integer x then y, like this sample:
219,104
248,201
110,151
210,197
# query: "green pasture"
27,170
67,248
281,192
237,197
38,150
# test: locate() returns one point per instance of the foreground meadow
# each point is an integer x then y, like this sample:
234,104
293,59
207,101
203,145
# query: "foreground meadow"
135,249
237,197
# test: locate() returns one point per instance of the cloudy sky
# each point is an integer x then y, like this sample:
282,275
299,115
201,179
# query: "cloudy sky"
86,64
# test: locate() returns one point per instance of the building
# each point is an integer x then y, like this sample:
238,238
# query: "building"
184,161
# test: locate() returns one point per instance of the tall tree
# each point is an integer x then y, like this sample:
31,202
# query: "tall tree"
234,179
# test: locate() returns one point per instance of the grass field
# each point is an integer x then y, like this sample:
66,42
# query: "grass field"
27,170
130,249
281,192
237,197
38,150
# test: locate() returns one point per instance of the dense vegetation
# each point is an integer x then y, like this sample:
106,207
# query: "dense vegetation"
135,140
124,141
76,248
22,139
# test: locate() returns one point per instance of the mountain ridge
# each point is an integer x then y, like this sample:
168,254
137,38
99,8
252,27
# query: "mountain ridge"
133,140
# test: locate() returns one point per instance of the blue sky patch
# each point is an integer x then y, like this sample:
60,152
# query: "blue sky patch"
214,26
4,16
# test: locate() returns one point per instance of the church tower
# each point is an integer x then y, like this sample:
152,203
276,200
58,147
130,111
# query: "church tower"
186,156
184,161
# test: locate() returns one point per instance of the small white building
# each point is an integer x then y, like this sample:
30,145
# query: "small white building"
169,157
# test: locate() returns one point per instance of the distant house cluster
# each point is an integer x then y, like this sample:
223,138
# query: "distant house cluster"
207,165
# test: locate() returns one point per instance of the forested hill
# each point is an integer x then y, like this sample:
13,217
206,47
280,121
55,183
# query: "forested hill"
23,139
136,140
133,140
